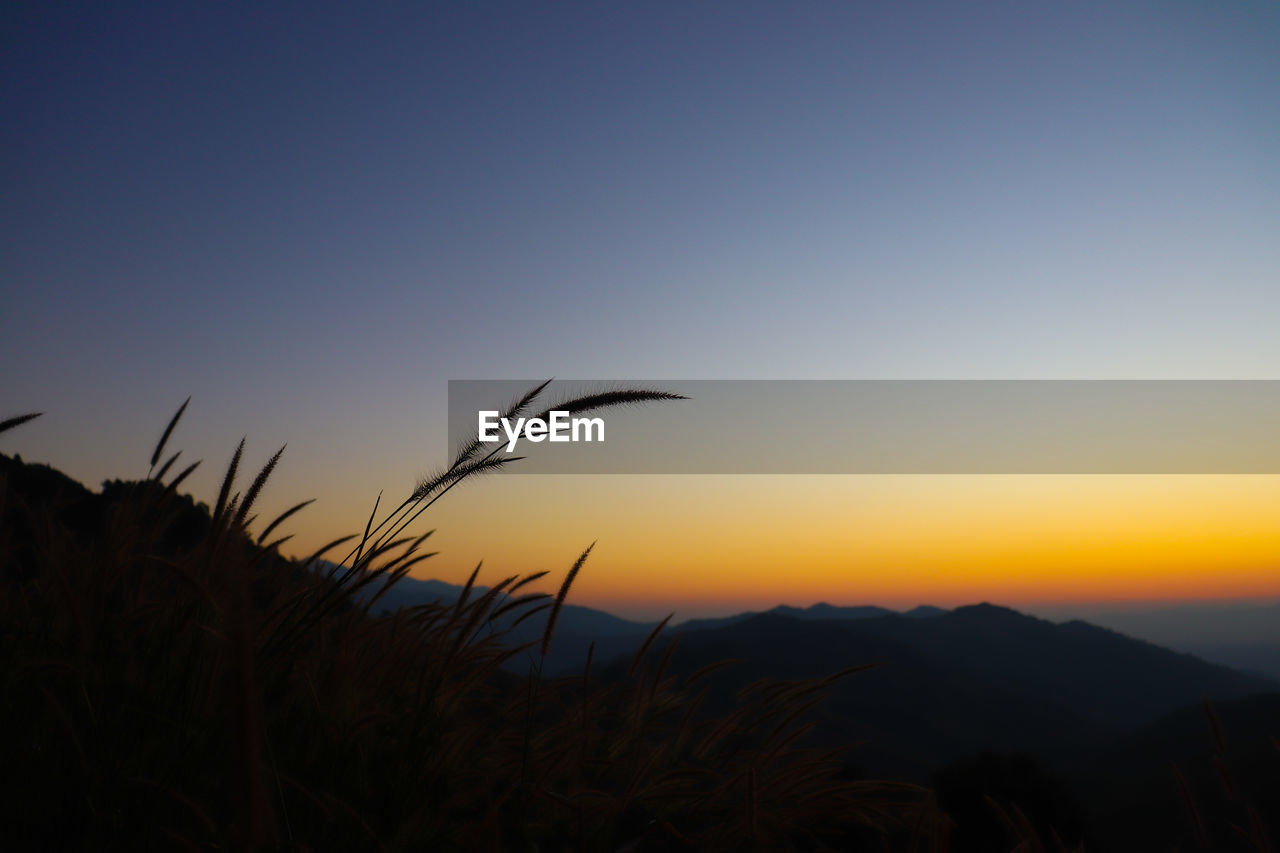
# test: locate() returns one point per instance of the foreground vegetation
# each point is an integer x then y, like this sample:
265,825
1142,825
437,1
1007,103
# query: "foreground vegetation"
170,680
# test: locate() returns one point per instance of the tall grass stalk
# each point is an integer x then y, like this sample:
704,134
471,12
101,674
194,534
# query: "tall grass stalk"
177,683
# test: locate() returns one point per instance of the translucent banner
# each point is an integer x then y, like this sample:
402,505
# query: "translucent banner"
883,427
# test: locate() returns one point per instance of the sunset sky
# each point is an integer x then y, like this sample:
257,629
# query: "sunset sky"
309,217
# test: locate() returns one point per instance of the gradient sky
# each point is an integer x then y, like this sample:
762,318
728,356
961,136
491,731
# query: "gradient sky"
311,216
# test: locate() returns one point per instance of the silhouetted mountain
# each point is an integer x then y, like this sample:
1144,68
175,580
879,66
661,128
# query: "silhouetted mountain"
924,611
1103,680
816,611
1116,680
981,678
712,622
577,627
1241,635
44,495
910,711
830,611
995,701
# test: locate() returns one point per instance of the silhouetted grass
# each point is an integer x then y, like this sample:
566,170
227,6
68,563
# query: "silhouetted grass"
1240,825
169,681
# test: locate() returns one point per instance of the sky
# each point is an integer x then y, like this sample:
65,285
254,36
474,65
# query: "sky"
309,217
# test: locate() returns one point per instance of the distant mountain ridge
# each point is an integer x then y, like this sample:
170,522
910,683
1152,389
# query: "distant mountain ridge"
1098,706
977,678
821,610
1243,635
1114,678
1103,680
577,626
947,683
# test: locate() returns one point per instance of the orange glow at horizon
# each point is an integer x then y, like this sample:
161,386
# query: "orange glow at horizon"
695,543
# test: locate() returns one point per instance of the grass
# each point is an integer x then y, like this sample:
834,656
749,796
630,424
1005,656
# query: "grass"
170,680
1240,824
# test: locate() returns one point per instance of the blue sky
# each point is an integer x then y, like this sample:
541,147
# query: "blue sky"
311,216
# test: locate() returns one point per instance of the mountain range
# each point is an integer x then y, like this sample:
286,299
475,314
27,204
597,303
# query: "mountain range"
979,699
982,699
1006,680
1241,635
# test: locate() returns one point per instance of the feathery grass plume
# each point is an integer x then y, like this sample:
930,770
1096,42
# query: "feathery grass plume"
458,468
432,488
230,509
356,576
334,746
282,517
428,485
661,671
532,611
416,505
1193,811
10,423
403,563
610,399
514,410
367,525
475,468
307,562
518,602
184,474
275,544
255,488
393,574
407,555
648,641
164,438
560,597
305,606
575,405
528,579
164,469
479,610
228,479
466,590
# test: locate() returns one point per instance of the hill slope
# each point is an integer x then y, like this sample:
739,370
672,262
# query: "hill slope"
979,678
